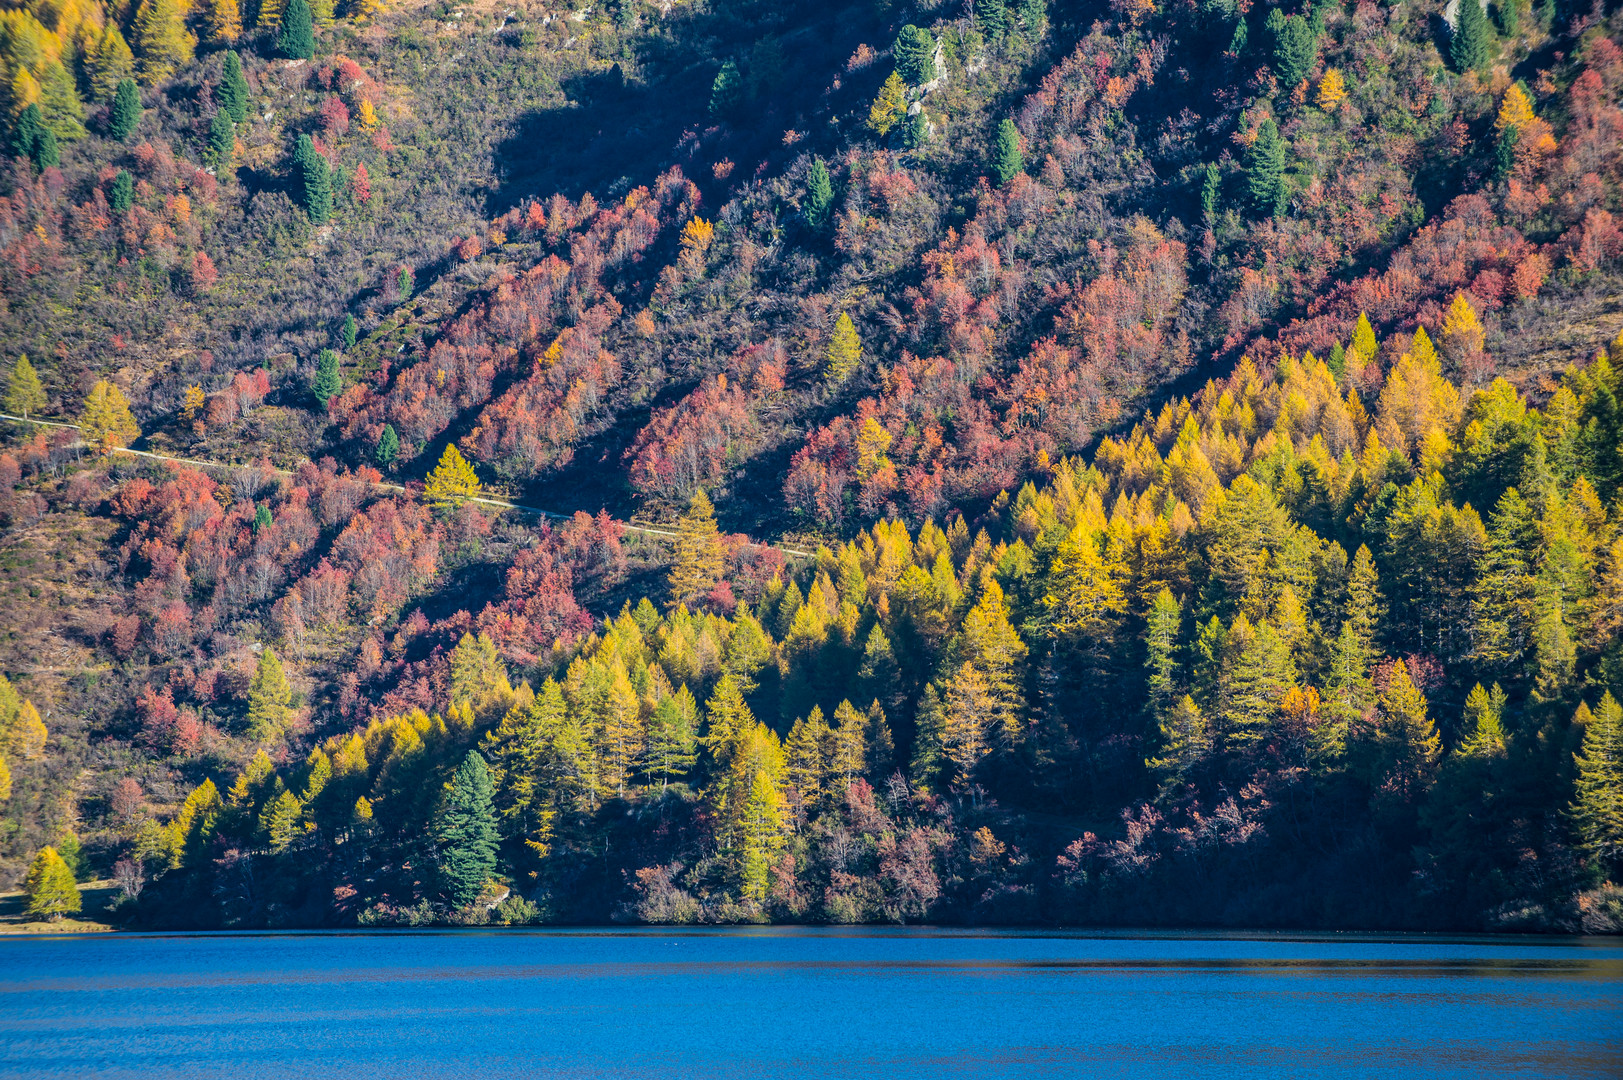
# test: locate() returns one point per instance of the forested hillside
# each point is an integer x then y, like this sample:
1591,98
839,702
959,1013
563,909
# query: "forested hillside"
1166,459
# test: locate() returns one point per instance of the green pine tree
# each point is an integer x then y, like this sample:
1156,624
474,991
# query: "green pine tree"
670,750
1007,162
297,39
914,51
388,447
1257,681
991,18
349,333
269,698
819,195
1210,188
726,91
1296,47
122,194
26,133
1472,47
314,177
1265,172
25,395
46,153
465,833
328,382
1597,810
222,143
233,94
406,283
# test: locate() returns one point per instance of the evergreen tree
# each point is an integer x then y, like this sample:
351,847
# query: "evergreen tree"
233,93
1295,47
1597,811
889,106
161,40
819,195
844,351
25,395
27,132
50,888
465,831
453,481
726,91
1160,659
914,51
1033,18
349,333
388,447
991,18
407,283
222,143
969,717
1503,595
328,382
1472,47
262,518
270,698
122,194
478,676
297,39
1265,172
1007,162
1407,734
1210,188
670,749
805,754
1484,722
915,130
106,421
1185,740
314,178
700,560
1260,675
47,155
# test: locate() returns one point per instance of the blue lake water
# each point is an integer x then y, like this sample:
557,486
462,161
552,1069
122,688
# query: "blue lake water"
801,1003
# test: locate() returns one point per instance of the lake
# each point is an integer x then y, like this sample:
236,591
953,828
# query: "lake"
881,1003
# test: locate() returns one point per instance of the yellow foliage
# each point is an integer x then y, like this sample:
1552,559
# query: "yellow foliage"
107,422
453,481
193,402
1462,332
1516,110
1332,90
369,114
697,234
889,106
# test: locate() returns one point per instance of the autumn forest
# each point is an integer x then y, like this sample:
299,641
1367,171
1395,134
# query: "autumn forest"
1009,462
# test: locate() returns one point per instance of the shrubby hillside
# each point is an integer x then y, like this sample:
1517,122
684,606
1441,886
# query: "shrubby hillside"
1165,459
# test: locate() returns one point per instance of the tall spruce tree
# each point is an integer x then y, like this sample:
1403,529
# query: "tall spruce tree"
388,447
819,195
328,381
465,831
1265,172
1597,810
314,177
1007,161
1472,47
914,51
222,142
50,888
297,39
233,93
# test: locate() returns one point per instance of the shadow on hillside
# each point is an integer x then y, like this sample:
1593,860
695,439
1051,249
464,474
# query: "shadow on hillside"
619,132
